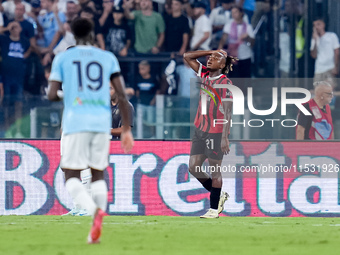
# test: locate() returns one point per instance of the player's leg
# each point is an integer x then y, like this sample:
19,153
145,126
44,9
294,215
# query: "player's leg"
197,157
76,207
98,161
78,192
75,157
99,189
216,187
195,168
85,176
215,166
215,156
76,210
99,195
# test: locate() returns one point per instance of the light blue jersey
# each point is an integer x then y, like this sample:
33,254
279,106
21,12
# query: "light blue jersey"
84,72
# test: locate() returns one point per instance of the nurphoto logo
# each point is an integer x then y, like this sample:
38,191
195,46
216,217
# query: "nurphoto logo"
238,104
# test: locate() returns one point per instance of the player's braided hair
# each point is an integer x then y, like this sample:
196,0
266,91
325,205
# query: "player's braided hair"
229,62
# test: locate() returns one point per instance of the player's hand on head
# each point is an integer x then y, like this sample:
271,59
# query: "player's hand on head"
225,145
223,52
127,141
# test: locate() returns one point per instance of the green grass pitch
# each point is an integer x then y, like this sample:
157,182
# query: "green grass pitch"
57,235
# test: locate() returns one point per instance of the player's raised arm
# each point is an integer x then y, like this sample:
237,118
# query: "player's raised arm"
126,136
192,56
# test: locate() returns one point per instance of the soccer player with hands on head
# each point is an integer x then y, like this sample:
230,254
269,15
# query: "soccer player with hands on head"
210,140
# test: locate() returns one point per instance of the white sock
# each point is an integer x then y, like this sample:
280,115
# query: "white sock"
99,193
80,196
86,177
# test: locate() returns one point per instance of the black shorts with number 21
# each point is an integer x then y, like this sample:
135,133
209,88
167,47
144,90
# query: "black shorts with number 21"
208,144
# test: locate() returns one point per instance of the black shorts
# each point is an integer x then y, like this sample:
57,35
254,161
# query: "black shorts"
208,144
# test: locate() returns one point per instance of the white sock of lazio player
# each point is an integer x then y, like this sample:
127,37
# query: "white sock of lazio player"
80,196
86,177
99,193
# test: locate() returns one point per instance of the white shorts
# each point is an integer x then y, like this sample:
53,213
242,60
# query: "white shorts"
85,150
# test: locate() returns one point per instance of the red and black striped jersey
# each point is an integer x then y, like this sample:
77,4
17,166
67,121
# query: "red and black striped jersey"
214,111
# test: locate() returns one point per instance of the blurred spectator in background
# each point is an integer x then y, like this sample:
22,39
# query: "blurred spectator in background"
27,27
147,87
88,3
88,13
325,49
67,41
117,124
48,51
33,18
219,17
149,27
188,11
240,36
107,12
248,7
62,5
187,90
293,12
202,29
34,69
14,50
50,24
319,125
177,29
72,10
262,7
186,79
167,8
117,33
8,8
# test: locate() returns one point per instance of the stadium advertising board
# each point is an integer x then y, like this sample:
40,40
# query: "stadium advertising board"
263,179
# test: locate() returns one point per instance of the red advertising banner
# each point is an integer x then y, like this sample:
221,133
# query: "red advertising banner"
289,179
